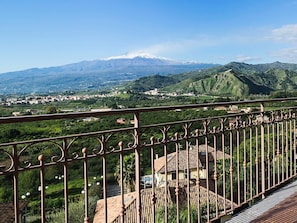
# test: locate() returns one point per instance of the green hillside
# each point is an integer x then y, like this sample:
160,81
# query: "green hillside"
233,79
151,82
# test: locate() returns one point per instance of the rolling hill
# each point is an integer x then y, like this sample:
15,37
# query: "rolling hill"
232,79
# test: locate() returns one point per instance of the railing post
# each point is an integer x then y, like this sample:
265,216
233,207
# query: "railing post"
262,150
137,166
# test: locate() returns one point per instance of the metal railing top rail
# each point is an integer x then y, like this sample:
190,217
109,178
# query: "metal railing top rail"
30,118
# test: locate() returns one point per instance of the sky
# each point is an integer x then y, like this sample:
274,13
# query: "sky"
44,33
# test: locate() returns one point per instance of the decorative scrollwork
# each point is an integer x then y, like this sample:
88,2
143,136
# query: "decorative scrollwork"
101,148
164,131
9,163
222,124
75,155
97,150
205,126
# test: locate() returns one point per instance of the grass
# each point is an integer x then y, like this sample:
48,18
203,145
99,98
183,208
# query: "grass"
55,195
75,186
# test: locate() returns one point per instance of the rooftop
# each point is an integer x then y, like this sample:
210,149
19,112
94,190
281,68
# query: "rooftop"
7,211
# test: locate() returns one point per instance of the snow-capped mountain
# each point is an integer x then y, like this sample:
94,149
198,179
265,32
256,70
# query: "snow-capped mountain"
143,55
97,74
135,54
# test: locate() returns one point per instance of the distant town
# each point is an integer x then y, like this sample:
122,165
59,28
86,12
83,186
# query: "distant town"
45,99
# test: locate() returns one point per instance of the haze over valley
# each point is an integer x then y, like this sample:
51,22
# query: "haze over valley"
91,75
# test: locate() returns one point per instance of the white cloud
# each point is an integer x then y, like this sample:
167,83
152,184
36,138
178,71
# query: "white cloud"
132,55
242,58
286,54
286,33
178,46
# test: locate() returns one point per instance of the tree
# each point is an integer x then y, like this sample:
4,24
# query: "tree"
128,172
50,110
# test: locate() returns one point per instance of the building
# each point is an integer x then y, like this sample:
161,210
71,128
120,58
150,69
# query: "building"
195,167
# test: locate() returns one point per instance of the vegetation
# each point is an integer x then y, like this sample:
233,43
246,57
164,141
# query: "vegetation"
183,213
128,172
76,212
151,82
233,79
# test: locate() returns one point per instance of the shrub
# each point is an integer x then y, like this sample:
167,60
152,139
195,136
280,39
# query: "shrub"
183,214
76,212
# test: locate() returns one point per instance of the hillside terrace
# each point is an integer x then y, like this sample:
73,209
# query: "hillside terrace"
243,157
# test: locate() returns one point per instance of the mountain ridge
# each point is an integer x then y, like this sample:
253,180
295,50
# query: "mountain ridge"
235,79
85,75
146,73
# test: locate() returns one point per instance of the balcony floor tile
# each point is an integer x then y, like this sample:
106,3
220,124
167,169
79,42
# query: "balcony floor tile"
280,206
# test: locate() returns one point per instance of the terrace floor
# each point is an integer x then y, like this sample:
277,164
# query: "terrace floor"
280,206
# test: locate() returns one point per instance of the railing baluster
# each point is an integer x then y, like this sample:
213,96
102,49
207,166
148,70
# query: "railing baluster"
123,208
86,184
251,161
222,123
238,159
283,150
104,166
177,177
244,166
278,152
206,130
287,148
166,183
231,168
273,153
153,191
294,144
263,177
268,158
257,162
188,170
215,172
198,173
42,188
65,171
291,144
137,166
16,184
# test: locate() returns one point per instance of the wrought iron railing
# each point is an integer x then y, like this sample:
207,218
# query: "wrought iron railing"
204,161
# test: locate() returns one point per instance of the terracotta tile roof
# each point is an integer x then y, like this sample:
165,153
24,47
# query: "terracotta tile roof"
114,203
182,159
160,162
114,207
7,211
